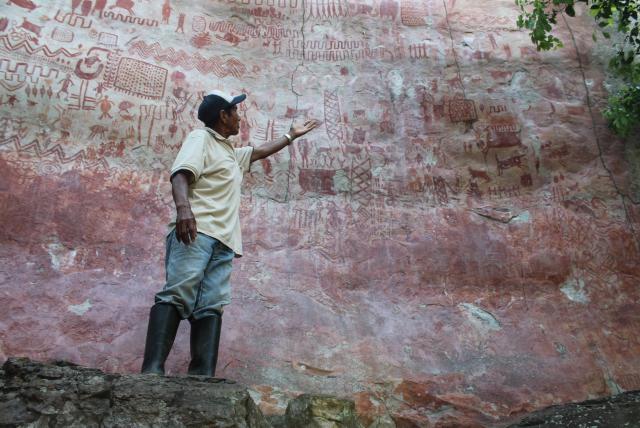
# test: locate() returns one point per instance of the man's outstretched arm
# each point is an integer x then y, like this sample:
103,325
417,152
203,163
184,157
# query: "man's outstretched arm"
295,131
186,230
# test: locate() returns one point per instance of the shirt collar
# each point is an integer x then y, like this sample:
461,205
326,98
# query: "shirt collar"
219,137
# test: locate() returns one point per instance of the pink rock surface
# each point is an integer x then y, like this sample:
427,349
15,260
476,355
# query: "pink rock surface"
455,246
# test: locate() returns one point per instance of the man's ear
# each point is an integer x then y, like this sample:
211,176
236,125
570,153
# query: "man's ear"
223,116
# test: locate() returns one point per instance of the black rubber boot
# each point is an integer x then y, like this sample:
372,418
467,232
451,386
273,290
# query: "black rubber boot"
163,325
205,340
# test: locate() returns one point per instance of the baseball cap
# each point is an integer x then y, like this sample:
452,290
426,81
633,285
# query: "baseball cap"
215,101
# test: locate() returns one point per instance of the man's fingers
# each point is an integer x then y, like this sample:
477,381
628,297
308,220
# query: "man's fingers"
182,236
184,232
188,238
193,231
309,125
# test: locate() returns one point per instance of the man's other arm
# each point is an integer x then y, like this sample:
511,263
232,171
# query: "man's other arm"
272,147
186,229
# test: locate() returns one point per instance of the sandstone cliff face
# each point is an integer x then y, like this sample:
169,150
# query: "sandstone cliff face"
458,243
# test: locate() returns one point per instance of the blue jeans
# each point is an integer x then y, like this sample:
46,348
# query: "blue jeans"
197,276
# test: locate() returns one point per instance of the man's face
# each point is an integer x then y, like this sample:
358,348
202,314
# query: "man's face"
233,120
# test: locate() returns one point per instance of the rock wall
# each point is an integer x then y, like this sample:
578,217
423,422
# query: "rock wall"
456,244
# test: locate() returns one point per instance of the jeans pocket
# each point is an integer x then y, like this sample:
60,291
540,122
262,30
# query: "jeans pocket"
222,252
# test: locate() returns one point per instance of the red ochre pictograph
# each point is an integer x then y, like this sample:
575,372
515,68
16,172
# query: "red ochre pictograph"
33,49
139,78
215,65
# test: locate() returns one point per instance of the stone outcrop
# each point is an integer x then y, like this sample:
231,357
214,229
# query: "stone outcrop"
65,395
318,411
619,411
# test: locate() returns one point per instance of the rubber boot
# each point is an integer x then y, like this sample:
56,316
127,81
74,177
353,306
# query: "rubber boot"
163,325
205,340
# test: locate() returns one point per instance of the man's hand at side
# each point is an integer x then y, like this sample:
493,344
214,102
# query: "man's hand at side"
186,229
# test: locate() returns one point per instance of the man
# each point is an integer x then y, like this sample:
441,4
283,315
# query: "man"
205,235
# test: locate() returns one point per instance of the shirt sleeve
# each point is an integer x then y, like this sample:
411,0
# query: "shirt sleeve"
191,154
243,156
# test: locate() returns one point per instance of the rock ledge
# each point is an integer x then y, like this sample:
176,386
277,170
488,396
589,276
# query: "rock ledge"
61,394
66,395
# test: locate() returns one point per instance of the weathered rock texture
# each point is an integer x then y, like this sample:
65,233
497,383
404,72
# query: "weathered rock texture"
66,395
457,245
619,411
315,411
63,395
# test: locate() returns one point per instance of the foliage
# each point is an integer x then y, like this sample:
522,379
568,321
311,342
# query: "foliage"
539,17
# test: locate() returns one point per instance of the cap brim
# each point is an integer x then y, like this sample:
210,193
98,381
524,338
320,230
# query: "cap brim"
238,99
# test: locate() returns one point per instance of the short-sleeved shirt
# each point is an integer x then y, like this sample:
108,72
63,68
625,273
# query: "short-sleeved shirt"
214,194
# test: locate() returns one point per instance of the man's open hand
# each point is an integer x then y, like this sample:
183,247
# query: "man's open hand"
299,130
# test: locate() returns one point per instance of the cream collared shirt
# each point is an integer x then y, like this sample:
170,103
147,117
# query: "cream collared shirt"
214,195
